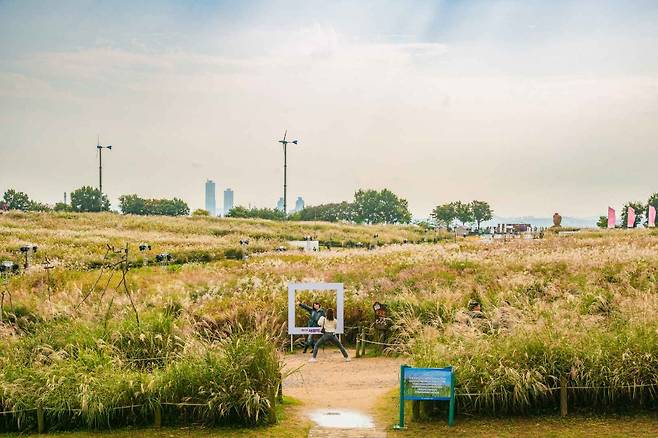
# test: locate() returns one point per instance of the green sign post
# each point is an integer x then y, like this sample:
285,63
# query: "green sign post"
427,384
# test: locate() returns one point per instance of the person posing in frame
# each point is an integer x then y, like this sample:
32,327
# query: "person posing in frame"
315,312
328,324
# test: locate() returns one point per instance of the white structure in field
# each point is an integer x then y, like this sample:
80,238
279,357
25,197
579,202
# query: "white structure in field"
306,245
293,288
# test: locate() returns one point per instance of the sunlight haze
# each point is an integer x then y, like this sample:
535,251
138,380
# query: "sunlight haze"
535,107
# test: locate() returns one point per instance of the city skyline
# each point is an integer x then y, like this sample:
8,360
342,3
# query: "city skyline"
534,107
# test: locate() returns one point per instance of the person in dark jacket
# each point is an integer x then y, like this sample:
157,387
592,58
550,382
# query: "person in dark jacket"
315,312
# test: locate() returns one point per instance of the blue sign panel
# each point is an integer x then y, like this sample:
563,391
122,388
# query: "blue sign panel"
420,384
427,383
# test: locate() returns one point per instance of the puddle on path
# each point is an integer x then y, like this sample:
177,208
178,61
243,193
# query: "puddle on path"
342,419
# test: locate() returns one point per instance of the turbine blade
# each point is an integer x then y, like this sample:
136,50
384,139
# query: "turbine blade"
284,135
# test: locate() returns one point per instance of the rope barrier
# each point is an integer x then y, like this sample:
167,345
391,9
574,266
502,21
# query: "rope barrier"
457,394
18,411
78,411
185,404
374,342
642,385
118,408
472,394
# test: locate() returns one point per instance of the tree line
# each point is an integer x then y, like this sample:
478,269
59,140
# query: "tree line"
476,212
133,204
368,206
641,212
89,199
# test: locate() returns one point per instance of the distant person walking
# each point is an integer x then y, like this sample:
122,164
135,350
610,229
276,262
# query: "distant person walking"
315,312
328,324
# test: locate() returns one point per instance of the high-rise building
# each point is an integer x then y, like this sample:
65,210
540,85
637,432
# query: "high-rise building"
210,198
228,201
299,204
279,205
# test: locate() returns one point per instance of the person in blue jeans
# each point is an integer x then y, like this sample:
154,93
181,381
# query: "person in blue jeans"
328,323
315,312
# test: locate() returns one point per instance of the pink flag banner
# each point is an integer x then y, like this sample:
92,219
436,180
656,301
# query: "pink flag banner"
652,216
631,218
611,217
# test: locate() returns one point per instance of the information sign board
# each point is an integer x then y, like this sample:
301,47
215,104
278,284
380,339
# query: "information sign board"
427,384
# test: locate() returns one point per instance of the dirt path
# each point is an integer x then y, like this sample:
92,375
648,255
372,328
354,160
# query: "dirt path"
332,384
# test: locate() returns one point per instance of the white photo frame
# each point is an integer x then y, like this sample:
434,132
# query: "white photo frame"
320,287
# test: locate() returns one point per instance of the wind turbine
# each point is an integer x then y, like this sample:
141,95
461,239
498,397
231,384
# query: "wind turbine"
99,149
285,142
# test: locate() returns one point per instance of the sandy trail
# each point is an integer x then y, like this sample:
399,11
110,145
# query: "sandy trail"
332,383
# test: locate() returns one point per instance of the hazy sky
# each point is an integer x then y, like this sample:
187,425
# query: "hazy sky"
534,106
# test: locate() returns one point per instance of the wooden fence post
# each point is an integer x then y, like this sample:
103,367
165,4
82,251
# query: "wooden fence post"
41,424
563,397
157,417
358,344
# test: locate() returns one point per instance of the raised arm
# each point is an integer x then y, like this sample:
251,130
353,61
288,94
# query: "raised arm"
306,307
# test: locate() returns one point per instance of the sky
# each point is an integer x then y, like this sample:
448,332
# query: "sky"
534,106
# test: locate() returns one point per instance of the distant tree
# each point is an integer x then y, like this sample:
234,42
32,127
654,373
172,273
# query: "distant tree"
238,211
444,215
602,222
463,212
256,213
332,212
167,207
89,199
200,212
177,207
39,206
653,200
60,206
639,213
373,207
481,212
132,204
16,200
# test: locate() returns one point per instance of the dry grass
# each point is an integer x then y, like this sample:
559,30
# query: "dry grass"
585,304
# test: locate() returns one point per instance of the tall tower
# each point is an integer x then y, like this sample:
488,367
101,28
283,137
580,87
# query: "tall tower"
210,198
228,201
299,204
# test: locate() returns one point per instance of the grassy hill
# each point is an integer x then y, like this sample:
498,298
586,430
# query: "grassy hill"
82,239
582,307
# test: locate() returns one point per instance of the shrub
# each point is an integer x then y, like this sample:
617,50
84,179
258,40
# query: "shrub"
520,373
87,381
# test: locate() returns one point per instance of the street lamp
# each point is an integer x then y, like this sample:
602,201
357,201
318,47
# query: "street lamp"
100,148
285,142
